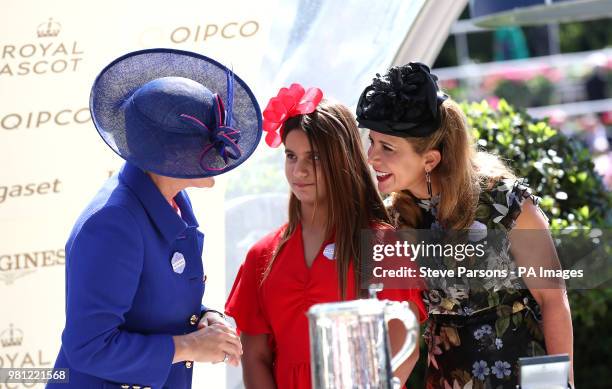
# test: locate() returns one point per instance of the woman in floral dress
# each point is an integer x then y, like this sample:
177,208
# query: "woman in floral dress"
424,156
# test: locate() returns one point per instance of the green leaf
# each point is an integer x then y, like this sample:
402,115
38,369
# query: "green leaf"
493,299
517,319
501,325
535,349
584,211
504,106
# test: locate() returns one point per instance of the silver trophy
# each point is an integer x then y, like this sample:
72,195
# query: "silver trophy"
349,343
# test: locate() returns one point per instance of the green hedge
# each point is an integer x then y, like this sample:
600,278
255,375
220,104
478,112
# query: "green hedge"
536,92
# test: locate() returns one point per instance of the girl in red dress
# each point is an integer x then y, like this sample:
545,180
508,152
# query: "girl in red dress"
314,257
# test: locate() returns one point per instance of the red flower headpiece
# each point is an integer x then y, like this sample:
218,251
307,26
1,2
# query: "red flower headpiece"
288,103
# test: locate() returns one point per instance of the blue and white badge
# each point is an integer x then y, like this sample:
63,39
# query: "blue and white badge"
329,251
178,262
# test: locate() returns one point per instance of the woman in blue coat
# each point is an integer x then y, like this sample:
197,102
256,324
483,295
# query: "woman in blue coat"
134,274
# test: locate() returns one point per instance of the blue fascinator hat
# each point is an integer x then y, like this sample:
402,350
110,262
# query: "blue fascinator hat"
175,113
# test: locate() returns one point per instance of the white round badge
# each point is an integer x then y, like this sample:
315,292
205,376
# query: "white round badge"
329,250
178,263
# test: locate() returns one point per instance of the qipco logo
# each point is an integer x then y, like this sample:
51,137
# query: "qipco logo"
208,32
68,117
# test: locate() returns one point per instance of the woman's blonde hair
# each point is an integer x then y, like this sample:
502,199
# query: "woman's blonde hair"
463,170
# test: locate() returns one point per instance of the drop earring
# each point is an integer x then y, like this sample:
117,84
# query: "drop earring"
428,180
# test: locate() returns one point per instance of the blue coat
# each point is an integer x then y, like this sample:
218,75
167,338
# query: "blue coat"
125,295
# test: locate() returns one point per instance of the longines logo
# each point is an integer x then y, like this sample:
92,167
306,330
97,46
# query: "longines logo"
203,33
15,266
47,55
11,356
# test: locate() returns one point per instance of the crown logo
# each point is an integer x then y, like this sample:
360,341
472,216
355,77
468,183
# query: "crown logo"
11,337
48,29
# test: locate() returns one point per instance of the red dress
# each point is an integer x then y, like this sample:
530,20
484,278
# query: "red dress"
278,306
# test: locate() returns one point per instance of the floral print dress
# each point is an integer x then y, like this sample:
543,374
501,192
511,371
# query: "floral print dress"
475,335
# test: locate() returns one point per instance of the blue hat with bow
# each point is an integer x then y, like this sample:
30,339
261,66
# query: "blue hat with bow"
175,113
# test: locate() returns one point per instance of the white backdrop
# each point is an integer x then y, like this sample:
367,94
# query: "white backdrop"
52,161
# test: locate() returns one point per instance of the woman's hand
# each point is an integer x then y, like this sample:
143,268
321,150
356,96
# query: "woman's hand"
212,317
209,343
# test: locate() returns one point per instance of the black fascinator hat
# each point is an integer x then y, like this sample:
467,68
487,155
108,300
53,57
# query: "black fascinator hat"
404,102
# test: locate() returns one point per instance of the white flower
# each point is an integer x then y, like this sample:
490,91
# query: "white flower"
480,370
486,329
468,311
477,231
502,209
500,260
501,369
457,293
498,343
478,334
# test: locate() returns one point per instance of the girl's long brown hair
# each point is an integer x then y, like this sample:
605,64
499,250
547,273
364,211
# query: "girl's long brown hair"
353,201
463,170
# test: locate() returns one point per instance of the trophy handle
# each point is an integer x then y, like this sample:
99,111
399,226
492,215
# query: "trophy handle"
402,312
